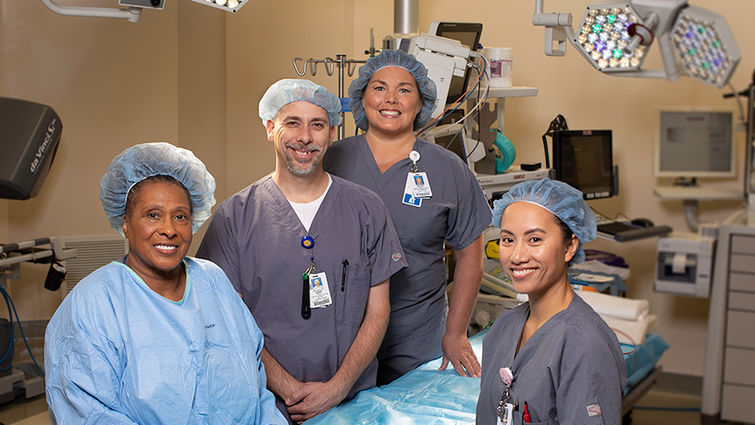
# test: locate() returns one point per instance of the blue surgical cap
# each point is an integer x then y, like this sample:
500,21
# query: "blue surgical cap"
151,159
561,200
393,58
290,90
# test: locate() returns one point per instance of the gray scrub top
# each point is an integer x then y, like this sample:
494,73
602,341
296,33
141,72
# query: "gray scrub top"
255,237
457,213
568,371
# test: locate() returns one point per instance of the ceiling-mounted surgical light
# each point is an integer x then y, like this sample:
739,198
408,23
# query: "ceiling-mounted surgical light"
705,46
227,5
614,38
604,36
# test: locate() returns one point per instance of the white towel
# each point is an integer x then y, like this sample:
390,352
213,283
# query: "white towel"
620,308
631,331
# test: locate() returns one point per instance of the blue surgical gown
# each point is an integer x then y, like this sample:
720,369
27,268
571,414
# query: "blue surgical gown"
116,352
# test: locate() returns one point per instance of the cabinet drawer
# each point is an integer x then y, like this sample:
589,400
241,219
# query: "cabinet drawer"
736,403
739,330
742,301
743,263
738,366
743,244
742,282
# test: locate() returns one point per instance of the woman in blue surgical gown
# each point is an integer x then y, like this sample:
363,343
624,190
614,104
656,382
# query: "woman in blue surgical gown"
551,360
156,337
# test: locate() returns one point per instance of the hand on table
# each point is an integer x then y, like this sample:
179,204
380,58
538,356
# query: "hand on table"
458,351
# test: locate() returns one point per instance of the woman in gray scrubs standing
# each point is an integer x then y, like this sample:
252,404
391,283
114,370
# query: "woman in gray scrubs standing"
433,198
552,359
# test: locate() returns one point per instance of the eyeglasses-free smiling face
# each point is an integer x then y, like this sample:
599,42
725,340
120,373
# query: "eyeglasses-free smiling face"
391,101
532,250
158,228
301,133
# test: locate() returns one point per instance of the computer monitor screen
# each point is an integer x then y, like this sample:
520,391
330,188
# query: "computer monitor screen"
584,159
695,143
469,35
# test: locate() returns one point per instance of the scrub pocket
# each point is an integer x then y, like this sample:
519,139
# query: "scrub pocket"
353,289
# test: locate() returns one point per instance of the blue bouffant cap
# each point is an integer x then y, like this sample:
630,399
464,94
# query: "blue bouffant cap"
393,58
289,90
561,200
151,159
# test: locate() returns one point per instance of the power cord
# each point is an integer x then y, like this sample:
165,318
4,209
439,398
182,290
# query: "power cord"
558,124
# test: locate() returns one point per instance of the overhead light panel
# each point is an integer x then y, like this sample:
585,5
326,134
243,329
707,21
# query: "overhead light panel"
227,5
604,36
615,39
705,46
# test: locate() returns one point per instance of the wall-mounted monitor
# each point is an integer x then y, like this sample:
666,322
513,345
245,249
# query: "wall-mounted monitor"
584,159
694,143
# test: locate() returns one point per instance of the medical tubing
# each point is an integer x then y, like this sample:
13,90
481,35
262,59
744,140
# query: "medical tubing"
10,349
9,301
463,98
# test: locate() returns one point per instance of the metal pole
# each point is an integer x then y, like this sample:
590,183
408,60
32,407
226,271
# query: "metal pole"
341,60
405,16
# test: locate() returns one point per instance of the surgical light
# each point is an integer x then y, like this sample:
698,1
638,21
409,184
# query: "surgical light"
604,36
615,38
705,46
227,5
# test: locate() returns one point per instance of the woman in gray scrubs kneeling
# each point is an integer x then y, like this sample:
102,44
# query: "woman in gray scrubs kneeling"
551,360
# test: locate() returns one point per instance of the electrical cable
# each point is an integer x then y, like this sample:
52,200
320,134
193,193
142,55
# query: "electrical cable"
11,306
454,106
10,349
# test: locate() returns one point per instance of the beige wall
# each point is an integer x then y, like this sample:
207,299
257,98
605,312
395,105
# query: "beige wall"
114,84
193,75
3,203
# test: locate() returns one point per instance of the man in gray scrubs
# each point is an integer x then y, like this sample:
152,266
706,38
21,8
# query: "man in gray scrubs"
311,255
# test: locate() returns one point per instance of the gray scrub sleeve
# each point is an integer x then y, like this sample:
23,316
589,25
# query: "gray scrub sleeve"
219,246
471,214
590,382
384,247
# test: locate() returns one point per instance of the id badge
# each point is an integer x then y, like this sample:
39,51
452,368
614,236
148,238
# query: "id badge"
420,185
319,293
508,415
408,197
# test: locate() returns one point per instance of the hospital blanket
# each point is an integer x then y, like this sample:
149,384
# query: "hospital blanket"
428,396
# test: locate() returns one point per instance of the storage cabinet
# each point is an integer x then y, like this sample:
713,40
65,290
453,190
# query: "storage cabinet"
729,380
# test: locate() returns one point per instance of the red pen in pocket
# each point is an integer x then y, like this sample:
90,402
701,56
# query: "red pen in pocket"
526,416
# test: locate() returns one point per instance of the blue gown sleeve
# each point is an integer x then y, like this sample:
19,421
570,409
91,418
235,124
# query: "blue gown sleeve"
590,386
83,369
269,413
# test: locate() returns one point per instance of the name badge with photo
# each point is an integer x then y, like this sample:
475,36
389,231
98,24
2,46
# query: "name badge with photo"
319,293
